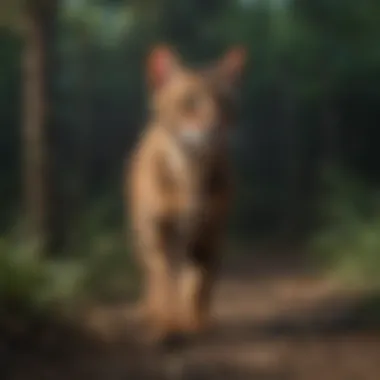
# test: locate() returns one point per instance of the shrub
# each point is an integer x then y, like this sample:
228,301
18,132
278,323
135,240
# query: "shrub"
348,243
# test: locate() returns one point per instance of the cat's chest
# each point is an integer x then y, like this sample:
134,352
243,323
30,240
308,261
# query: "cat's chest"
194,185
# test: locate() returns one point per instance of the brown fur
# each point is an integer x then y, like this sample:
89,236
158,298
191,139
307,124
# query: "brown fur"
178,195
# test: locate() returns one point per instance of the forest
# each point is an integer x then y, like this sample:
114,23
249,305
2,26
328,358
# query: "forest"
73,103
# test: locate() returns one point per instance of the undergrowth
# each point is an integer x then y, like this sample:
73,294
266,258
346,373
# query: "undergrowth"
98,267
348,243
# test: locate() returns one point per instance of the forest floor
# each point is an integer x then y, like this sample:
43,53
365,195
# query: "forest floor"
275,320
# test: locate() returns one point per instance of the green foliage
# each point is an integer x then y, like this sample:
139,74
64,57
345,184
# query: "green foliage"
349,242
30,284
104,251
97,265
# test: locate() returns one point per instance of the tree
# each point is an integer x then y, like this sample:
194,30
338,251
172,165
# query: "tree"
35,20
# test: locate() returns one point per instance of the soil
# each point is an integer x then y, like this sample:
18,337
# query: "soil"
274,320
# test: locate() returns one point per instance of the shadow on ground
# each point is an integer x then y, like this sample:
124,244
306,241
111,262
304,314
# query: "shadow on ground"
52,350
270,327
360,315
61,350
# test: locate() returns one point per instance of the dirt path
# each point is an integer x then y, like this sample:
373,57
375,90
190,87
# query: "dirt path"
273,323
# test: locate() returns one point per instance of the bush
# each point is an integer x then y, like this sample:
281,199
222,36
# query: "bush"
30,284
348,244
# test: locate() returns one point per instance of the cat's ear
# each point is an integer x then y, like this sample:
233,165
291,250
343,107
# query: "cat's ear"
161,63
231,65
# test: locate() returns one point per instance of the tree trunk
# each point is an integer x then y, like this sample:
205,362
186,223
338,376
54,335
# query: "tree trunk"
36,17
33,127
331,146
292,196
82,171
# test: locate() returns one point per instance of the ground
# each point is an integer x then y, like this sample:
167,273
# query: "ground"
274,320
